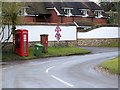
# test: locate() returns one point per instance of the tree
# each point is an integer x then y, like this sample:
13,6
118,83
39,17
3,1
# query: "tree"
109,6
118,10
113,9
10,12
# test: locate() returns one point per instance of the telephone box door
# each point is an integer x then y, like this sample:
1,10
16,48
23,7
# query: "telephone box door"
25,43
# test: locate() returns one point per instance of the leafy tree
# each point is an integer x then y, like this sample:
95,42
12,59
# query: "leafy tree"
114,10
107,6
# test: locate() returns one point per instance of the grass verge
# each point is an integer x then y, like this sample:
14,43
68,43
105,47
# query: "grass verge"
112,66
8,55
115,44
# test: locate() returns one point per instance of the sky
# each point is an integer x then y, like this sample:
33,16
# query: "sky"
94,0
46,0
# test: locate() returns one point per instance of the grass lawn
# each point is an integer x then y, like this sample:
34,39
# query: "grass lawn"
115,44
8,55
112,65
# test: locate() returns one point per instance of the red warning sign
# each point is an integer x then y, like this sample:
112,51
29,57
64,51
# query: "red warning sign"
57,35
57,29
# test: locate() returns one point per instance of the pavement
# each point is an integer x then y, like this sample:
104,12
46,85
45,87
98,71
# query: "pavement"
62,72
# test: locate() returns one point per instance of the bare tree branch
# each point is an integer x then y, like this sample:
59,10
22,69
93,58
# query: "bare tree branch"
2,33
9,36
10,13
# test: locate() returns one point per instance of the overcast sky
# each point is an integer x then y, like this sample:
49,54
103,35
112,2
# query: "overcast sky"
94,0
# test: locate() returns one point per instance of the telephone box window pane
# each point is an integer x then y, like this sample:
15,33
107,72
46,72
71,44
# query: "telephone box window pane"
25,44
18,41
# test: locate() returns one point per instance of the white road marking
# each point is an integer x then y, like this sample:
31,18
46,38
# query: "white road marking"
32,62
8,67
4,68
49,69
62,81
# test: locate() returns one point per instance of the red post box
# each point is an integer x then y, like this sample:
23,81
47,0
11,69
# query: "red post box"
44,42
21,42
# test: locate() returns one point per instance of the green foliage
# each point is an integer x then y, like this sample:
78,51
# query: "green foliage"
111,20
113,44
113,10
107,6
112,65
10,13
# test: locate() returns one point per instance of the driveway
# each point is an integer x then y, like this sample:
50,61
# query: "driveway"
61,72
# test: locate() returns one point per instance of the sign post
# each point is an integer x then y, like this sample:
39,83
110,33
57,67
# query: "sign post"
58,35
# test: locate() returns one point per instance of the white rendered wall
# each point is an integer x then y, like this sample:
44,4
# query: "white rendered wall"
102,32
34,31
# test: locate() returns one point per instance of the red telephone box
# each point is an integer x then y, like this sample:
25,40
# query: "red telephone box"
44,41
21,42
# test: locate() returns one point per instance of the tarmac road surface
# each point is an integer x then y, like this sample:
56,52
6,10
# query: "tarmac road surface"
60,72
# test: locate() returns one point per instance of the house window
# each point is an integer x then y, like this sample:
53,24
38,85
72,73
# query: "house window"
84,12
23,11
98,14
68,11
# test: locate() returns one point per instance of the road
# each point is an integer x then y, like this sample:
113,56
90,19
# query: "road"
61,72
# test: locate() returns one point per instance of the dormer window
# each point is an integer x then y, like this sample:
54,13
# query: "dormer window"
24,11
68,11
98,14
84,12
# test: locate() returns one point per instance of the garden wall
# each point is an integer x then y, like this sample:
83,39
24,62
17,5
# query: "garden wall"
68,33
55,43
97,41
99,36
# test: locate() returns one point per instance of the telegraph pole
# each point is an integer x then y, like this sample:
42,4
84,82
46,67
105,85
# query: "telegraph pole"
118,13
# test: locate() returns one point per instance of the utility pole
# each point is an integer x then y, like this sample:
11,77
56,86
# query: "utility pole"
0,29
118,13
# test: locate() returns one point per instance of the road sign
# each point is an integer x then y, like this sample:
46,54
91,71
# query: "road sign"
57,35
58,29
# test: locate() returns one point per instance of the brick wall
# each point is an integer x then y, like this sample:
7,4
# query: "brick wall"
99,20
78,18
97,42
24,19
67,19
58,19
42,19
29,19
54,17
